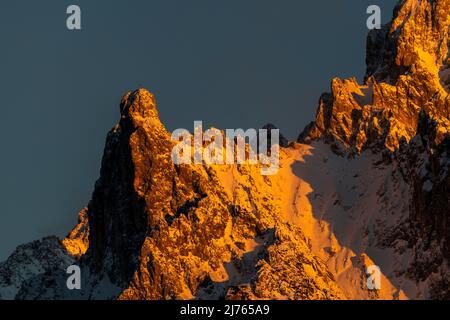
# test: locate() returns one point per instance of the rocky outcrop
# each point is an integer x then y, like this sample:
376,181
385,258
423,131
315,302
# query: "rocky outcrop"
77,241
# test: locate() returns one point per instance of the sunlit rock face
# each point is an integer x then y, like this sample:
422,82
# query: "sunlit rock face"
406,73
402,111
201,238
367,183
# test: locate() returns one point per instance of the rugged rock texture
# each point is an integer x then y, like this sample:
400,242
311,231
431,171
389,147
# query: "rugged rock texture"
405,63
403,112
367,183
46,257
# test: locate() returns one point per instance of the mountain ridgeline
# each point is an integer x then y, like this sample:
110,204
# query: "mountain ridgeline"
367,183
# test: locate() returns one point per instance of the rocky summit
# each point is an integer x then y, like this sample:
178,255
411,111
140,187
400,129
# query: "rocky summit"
366,184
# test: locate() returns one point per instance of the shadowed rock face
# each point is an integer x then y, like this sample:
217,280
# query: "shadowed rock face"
368,183
117,213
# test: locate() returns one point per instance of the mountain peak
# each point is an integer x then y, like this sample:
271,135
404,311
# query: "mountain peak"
139,104
407,68
282,139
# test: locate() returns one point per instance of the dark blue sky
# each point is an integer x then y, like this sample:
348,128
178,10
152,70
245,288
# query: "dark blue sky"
230,63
